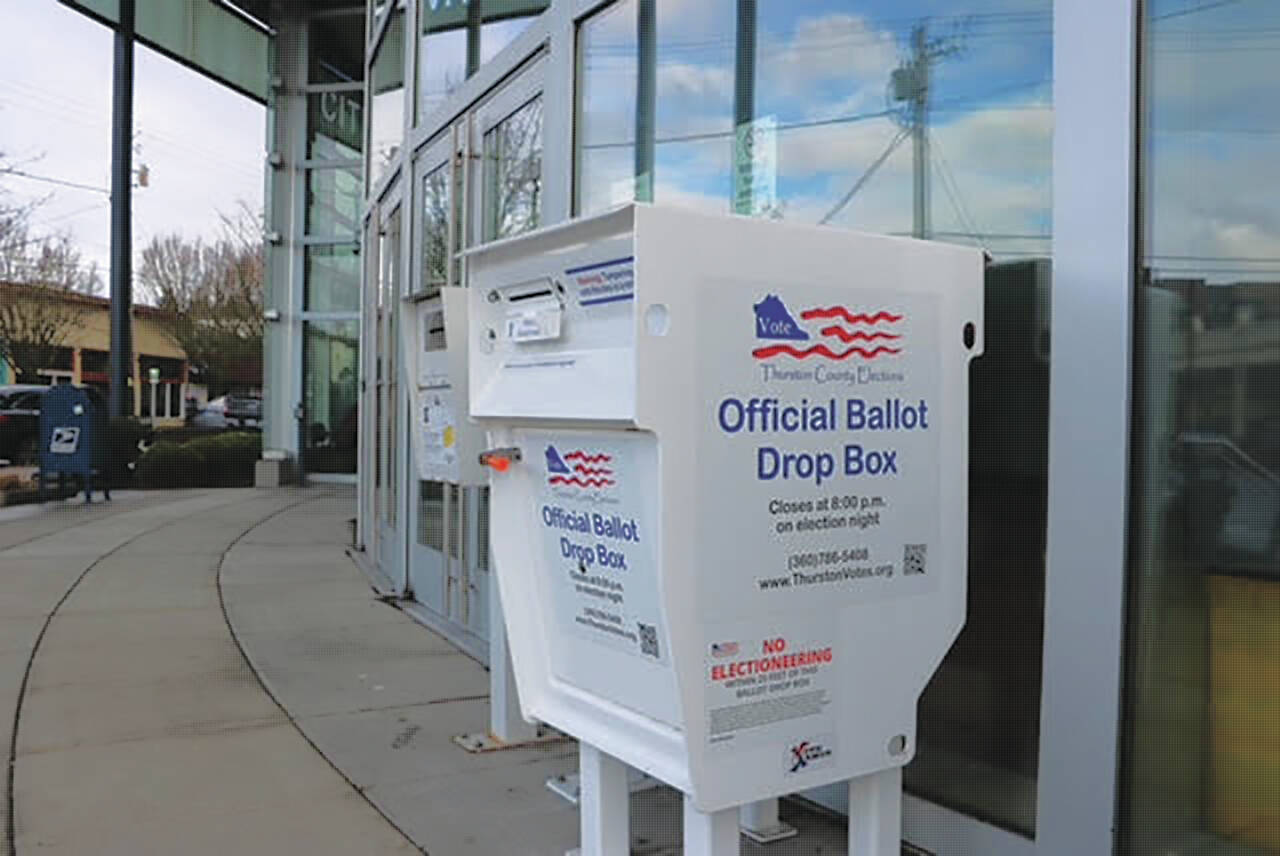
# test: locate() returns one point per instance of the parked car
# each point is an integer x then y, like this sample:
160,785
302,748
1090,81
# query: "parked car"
243,411
211,417
20,423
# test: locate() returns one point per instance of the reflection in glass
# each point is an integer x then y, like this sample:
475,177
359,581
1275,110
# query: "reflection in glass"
331,366
333,201
458,37
497,34
513,173
924,118
683,101
442,60
1203,668
335,123
332,278
436,249
335,45
386,127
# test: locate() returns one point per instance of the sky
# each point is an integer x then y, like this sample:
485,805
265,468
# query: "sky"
202,143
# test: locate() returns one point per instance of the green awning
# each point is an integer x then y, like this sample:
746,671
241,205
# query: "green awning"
202,34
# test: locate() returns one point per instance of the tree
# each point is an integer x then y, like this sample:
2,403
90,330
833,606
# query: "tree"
213,293
43,276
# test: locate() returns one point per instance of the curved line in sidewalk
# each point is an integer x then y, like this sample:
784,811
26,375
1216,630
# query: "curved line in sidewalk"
11,822
235,637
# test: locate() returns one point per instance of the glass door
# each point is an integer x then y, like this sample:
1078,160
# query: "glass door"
389,406
438,175
505,195
369,475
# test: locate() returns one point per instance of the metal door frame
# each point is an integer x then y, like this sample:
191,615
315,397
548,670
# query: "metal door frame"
446,152
391,547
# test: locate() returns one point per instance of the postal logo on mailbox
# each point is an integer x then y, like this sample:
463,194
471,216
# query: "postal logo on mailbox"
64,441
580,469
851,332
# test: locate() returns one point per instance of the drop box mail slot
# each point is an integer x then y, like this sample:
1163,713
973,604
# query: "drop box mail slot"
737,529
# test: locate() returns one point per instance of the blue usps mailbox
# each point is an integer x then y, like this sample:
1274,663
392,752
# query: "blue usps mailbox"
73,433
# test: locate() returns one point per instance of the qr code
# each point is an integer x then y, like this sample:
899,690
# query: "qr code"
648,640
914,559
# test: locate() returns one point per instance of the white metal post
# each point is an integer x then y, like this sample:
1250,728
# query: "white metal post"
505,721
604,809
875,814
759,822
710,834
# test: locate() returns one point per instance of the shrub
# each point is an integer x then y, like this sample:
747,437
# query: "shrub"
167,465
228,458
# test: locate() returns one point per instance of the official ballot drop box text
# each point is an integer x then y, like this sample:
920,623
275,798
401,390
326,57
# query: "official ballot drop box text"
733,535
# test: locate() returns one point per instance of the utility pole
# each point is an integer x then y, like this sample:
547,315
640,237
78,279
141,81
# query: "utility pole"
911,83
920,63
120,403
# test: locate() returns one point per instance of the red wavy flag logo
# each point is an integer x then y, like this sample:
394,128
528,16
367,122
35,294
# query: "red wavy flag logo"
867,335
579,468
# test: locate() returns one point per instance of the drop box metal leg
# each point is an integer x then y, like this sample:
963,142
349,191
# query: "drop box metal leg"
505,721
604,808
714,834
875,814
759,822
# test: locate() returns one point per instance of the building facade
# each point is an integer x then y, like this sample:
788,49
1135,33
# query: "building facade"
82,346
1117,686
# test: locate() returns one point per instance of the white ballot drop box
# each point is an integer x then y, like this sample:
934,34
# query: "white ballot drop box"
729,497
434,337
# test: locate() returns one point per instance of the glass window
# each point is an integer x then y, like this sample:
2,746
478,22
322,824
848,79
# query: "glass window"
459,36
513,173
482,528
332,370
436,249
918,117
333,202
386,128
457,521
333,278
442,52
504,21
928,118
1203,669
336,48
681,102
431,514
335,121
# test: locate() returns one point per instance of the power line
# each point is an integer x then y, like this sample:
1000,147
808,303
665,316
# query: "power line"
866,176
712,135
57,181
1203,7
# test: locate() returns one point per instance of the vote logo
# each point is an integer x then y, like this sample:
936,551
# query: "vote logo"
853,333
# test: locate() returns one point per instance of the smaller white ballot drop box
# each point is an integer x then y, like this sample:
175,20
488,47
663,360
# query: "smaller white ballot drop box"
434,336
729,495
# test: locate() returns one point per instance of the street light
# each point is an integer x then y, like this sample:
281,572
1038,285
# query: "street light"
153,374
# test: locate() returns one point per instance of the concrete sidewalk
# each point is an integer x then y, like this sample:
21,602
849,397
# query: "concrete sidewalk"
142,729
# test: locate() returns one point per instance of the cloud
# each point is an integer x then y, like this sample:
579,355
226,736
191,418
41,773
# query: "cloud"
684,79
844,50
